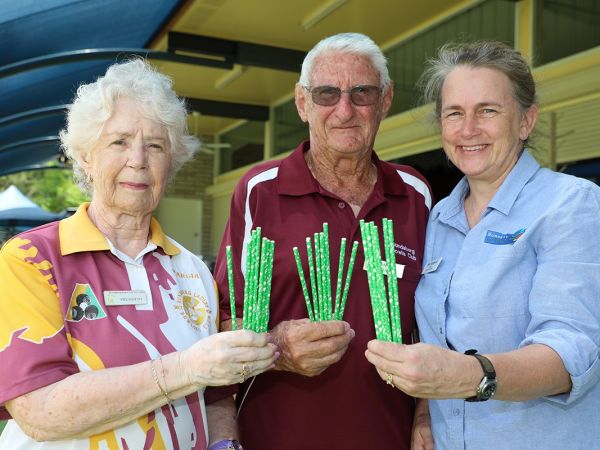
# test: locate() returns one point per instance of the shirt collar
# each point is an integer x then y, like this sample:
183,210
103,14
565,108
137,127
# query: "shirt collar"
79,234
514,183
506,196
294,176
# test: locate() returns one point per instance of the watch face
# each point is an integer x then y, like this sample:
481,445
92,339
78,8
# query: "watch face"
235,445
486,389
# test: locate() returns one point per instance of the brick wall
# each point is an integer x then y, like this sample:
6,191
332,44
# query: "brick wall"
191,182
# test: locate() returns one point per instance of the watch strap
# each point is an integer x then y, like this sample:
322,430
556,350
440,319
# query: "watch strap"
486,364
226,444
487,386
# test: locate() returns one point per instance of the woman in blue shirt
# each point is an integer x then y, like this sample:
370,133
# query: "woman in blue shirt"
508,305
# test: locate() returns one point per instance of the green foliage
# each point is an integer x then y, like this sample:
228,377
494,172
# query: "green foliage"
52,189
2,424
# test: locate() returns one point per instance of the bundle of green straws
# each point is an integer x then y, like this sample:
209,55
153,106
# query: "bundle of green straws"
322,306
387,321
257,287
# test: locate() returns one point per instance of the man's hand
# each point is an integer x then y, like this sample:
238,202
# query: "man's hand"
422,439
308,348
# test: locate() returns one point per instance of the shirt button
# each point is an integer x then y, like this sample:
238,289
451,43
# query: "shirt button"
341,205
456,412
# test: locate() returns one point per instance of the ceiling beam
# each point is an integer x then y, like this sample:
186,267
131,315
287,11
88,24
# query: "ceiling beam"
244,53
227,109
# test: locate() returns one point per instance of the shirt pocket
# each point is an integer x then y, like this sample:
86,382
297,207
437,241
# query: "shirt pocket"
490,289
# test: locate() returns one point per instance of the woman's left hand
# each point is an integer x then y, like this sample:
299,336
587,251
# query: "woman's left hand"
227,358
424,370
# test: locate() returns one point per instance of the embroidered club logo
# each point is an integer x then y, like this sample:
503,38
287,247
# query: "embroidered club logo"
84,305
497,238
193,308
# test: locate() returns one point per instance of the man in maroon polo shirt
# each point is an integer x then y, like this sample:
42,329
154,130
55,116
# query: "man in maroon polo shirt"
323,393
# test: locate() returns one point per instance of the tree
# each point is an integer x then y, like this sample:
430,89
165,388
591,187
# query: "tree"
52,189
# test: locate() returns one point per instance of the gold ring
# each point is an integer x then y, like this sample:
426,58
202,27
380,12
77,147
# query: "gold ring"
389,379
244,373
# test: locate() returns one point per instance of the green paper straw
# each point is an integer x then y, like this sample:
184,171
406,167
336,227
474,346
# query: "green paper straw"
327,272
269,277
380,282
319,270
261,291
366,241
348,278
231,286
313,279
303,284
392,281
340,274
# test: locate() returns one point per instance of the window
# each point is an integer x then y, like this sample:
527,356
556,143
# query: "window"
489,20
567,27
288,128
245,146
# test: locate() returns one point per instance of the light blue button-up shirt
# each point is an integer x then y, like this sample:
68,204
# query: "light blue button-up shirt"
527,273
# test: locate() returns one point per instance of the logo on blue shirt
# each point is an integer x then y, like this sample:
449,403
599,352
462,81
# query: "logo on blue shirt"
496,238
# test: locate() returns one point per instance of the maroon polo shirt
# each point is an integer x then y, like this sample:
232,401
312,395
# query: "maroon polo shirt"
348,406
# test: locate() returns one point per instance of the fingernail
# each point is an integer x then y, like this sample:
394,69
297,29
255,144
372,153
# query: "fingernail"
276,355
269,337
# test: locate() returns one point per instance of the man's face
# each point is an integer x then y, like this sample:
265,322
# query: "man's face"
344,128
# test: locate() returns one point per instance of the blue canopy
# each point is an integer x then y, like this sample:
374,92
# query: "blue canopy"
42,61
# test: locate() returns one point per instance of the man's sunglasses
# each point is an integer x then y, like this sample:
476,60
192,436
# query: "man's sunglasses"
361,95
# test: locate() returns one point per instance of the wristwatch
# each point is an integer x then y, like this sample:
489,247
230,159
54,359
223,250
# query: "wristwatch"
487,386
226,444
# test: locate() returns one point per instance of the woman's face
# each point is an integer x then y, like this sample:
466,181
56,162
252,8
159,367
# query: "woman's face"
482,124
129,164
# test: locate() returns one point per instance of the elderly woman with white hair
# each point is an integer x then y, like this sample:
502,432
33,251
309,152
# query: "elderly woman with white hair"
108,328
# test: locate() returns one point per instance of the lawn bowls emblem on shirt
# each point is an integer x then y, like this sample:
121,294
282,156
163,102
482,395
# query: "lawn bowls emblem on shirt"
84,304
194,308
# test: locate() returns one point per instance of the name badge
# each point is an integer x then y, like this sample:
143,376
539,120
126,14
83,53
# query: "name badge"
399,269
123,298
432,266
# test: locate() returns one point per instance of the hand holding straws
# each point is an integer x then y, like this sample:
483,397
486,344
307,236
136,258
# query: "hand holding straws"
257,287
322,306
388,326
